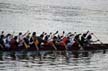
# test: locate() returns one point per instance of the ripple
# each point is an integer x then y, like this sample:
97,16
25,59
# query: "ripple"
60,63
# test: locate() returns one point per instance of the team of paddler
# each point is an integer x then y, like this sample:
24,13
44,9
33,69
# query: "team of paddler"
52,41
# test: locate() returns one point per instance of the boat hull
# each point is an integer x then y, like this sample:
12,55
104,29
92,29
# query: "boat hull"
59,48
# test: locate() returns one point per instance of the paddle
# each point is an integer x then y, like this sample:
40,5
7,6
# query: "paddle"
104,51
54,47
97,38
36,42
56,32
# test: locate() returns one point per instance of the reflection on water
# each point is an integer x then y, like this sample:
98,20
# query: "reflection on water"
54,61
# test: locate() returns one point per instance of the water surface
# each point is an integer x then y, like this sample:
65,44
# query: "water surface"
73,61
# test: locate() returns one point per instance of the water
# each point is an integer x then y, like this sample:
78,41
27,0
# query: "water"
83,61
49,16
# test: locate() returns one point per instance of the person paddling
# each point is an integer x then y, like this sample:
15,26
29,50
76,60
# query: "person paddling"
21,40
2,45
89,39
26,41
14,43
83,38
40,40
33,42
7,41
71,41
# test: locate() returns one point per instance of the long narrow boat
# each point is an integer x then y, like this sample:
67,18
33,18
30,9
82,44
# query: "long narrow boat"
44,51
59,48
97,47
90,47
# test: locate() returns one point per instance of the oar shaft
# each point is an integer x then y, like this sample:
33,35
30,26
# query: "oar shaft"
97,39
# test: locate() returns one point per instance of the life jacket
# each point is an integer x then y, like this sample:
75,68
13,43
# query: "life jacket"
64,41
50,43
26,43
75,44
36,42
20,42
7,43
46,43
13,44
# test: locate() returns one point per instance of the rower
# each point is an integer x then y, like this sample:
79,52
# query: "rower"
40,40
83,38
26,41
7,41
2,45
2,34
71,41
77,43
14,43
89,39
21,40
33,42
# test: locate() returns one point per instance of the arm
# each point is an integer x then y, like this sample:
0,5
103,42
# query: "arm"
54,46
26,34
64,45
26,45
36,44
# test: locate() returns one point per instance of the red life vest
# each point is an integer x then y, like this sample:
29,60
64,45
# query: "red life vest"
13,44
64,41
